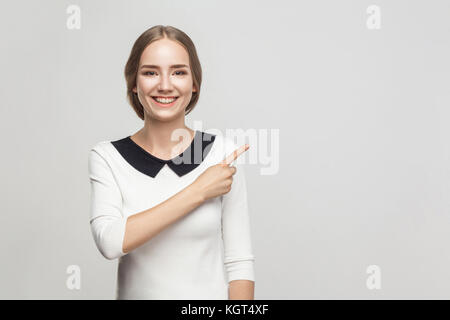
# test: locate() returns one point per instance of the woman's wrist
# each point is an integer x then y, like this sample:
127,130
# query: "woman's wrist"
196,193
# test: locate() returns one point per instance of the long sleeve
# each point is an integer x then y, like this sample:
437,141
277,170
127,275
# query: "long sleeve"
238,254
106,219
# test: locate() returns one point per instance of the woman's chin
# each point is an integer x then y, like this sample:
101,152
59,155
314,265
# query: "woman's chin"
166,114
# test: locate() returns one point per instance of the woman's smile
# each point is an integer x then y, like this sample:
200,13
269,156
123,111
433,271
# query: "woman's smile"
164,101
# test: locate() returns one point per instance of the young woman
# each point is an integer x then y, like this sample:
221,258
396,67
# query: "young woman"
174,212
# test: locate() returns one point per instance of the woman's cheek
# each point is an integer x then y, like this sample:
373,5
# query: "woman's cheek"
147,83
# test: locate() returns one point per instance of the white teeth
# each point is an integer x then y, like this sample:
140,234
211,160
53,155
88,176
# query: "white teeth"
164,100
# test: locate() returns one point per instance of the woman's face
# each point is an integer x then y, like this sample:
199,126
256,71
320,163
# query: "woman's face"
161,74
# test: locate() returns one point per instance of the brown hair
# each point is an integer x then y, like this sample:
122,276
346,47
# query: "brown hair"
156,33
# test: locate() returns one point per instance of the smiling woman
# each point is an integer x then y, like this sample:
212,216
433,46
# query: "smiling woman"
140,69
173,212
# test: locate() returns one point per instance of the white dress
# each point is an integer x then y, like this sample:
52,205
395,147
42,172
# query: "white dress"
193,258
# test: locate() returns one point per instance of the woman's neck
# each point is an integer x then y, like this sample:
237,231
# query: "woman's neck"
164,140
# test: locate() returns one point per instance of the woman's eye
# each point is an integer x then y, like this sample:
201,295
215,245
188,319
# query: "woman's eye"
176,72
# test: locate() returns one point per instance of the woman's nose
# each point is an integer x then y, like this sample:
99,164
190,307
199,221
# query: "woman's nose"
165,83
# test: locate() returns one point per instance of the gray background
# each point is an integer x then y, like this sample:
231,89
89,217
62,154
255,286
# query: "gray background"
363,116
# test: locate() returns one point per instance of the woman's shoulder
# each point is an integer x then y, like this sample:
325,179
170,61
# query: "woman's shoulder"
100,145
226,141
224,144
104,147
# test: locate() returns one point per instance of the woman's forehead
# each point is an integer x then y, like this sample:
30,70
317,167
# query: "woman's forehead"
165,52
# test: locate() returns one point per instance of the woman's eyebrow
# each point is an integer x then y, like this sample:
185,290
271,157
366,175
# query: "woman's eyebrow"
157,67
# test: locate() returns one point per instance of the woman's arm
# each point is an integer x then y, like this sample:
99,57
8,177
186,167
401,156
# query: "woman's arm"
143,226
239,257
116,235
241,290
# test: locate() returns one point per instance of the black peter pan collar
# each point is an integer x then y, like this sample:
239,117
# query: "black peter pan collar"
182,164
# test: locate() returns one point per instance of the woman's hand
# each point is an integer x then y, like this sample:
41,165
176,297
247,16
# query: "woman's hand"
217,179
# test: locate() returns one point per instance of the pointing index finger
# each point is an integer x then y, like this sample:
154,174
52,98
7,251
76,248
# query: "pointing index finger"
236,153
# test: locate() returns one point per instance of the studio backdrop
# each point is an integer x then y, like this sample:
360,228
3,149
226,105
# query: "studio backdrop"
345,106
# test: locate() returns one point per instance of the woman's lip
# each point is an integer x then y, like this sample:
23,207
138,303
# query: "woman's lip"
165,105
